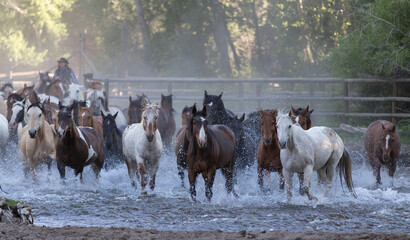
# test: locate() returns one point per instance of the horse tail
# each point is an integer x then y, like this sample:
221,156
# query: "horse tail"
345,169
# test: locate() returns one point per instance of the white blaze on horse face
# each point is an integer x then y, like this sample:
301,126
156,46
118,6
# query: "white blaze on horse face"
62,88
202,135
387,142
297,119
17,107
210,104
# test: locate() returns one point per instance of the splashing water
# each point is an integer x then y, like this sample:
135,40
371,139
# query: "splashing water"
113,202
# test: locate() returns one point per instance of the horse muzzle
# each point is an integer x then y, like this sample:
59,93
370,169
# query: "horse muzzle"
60,132
201,144
267,141
385,158
32,133
150,137
282,145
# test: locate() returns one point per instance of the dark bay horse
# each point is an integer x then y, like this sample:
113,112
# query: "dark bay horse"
268,150
11,99
112,140
166,121
136,108
182,142
302,117
211,147
217,113
77,147
382,144
44,82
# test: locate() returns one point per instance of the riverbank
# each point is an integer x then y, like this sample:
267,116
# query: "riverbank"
27,232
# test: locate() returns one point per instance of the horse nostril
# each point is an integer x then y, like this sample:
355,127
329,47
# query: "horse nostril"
267,141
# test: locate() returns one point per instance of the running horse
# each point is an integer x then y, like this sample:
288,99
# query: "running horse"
318,149
112,136
44,82
86,119
29,93
11,99
382,144
142,147
77,147
181,143
268,151
135,108
211,147
166,121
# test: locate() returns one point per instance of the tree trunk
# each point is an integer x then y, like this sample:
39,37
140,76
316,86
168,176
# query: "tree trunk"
220,37
257,36
144,28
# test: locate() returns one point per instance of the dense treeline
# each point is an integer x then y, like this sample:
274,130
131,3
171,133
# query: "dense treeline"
242,38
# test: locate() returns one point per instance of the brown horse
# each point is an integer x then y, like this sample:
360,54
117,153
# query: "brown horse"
268,150
136,108
210,147
302,116
11,99
94,84
181,143
86,119
48,106
29,93
166,121
382,144
77,147
57,88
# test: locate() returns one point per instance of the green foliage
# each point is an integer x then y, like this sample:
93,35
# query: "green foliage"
377,43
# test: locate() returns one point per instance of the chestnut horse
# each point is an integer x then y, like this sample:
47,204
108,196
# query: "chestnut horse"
382,144
29,93
77,147
86,119
56,88
181,143
302,117
166,121
268,150
211,147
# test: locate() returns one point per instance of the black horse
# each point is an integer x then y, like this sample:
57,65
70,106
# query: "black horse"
217,113
112,141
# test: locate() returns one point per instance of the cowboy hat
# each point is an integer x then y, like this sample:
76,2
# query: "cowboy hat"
63,60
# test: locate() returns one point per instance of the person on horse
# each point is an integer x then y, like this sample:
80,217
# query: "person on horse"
65,73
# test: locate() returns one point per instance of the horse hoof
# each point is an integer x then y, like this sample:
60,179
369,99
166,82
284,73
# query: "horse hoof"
301,192
144,193
313,198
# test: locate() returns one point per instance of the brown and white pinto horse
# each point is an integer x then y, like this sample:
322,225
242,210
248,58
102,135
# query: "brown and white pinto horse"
302,117
166,121
77,147
86,119
211,147
29,93
268,151
11,99
182,142
56,88
382,144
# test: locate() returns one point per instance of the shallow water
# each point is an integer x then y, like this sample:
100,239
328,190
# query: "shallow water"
113,202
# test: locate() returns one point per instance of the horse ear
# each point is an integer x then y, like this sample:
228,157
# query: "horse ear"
25,85
194,110
60,105
131,99
115,115
383,127
162,96
307,110
275,112
102,114
205,93
261,111
310,112
48,101
293,109
290,113
220,95
393,128
204,111
242,118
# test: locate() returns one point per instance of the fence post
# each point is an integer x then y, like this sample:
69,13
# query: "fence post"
345,102
107,90
394,103
311,93
11,75
240,95
258,93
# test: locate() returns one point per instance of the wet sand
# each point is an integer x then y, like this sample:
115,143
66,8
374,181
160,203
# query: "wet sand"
10,231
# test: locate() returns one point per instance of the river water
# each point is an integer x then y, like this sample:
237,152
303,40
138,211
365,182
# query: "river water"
113,202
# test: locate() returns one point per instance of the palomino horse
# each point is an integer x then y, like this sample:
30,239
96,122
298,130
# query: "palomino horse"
86,119
210,147
166,121
77,147
136,108
36,140
382,144
11,99
268,150
4,133
319,149
112,140
181,143
142,147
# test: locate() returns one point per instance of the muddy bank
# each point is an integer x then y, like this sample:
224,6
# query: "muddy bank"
35,232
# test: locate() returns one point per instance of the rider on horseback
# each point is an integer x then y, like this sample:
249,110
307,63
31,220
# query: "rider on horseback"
64,72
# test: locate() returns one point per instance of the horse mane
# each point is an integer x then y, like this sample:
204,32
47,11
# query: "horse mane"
186,109
15,95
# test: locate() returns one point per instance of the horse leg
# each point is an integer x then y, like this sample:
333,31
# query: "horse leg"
32,165
153,176
61,170
96,170
260,178
307,175
376,170
143,178
392,169
209,178
192,175
288,179
131,166
301,177
228,172
281,180
181,173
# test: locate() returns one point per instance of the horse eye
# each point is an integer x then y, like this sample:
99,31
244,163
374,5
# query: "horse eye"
155,117
290,126
39,115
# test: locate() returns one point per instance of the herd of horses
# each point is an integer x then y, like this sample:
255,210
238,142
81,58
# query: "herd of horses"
74,127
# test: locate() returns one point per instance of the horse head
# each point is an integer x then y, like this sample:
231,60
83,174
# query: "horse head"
109,126
186,114
97,100
166,103
7,89
65,120
235,124
17,113
302,117
149,120
11,99
84,116
284,129
268,123
35,113
387,141
199,127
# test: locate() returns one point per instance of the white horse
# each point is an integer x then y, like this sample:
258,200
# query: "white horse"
319,149
3,106
4,132
142,146
96,99
36,140
76,93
